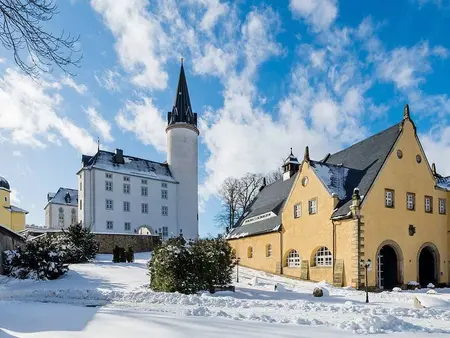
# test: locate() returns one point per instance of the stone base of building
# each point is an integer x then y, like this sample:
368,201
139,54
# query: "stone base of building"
139,243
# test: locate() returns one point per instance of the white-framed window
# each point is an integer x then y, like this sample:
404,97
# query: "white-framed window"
81,204
442,206
143,181
163,185
127,226
312,206
389,198
144,208
293,259
126,178
250,252
61,218
297,210
81,186
165,232
268,250
410,201
164,210
109,224
108,175
323,257
428,204
126,188
126,206
108,185
109,204
164,194
144,191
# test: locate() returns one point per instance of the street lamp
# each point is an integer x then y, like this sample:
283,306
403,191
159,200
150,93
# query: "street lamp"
237,269
368,267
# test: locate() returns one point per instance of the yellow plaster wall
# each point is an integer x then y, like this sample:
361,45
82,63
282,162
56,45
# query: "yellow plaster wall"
309,232
259,260
18,221
381,223
5,215
346,249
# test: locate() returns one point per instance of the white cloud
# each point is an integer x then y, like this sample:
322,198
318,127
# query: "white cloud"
214,9
15,196
436,144
17,153
145,120
79,88
140,40
29,113
109,80
320,14
100,124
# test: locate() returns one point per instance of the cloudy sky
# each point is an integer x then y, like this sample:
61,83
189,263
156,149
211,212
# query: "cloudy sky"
263,77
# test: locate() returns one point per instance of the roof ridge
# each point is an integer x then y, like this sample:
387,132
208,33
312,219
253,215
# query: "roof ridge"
364,140
134,157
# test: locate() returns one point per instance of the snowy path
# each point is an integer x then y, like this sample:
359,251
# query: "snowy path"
121,290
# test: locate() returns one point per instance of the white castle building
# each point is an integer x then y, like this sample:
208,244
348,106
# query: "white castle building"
61,208
118,193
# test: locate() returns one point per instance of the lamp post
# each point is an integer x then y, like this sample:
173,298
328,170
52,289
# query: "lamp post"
237,269
367,265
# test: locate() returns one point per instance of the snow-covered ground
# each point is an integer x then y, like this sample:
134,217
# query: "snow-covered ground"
109,299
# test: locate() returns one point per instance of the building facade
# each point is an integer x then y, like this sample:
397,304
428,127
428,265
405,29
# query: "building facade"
61,208
11,216
377,200
126,194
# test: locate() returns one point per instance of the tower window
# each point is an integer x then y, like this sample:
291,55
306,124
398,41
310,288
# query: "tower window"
126,188
164,194
126,206
144,191
164,210
144,208
164,185
109,204
126,178
109,224
108,185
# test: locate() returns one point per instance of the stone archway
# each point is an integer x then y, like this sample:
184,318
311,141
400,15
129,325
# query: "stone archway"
428,264
389,265
145,230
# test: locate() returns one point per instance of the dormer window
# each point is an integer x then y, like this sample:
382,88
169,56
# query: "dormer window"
67,198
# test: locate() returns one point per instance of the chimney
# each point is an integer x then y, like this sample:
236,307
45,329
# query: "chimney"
119,156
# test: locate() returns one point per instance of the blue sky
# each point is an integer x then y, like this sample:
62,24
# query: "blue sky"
263,77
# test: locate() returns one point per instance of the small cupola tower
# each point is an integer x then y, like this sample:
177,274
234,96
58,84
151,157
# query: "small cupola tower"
290,166
182,158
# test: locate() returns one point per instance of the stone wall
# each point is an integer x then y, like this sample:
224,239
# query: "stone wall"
139,243
9,240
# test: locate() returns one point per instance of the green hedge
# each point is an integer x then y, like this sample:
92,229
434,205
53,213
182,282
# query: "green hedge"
177,266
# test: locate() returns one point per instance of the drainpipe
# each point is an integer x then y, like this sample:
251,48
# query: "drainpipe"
281,250
333,253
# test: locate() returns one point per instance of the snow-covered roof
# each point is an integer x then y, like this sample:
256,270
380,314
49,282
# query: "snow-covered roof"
131,165
334,177
4,184
65,196
443,183
13,208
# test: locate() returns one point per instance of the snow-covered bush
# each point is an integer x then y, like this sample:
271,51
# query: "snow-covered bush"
177,266
42,258
79,243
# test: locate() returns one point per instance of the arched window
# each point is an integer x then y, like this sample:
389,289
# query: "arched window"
250,252
293,259
268,250
323,257
61,217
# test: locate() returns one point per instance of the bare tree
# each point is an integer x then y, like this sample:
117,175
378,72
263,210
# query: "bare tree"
273,176
22,32
248,189
229,196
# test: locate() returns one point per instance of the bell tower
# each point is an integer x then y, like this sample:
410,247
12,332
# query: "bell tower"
182,157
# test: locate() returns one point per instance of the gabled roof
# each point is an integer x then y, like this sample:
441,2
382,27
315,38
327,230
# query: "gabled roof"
269,200
443,182
131,165
13,208
364,161
62,197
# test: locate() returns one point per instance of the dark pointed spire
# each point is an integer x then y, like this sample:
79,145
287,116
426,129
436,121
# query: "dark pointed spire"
182,109
306,156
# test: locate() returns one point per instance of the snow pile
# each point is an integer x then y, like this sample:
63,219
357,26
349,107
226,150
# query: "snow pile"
413,283
378,324
396,289
279,287
432,292
430,286
254,281
431,302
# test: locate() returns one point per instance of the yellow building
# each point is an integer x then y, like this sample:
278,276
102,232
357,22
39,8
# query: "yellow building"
11,216
377,200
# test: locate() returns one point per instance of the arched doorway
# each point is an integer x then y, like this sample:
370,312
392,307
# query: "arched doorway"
389,265
144,230
428,261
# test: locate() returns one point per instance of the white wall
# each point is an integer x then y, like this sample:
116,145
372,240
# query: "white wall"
94,209
52,215
182,157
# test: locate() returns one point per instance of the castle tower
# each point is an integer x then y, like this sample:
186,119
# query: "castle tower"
182,157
